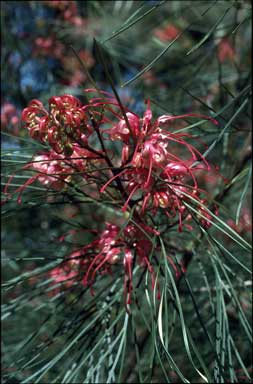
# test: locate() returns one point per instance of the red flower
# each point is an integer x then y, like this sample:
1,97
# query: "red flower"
64,124
56,171
111,248
115,246
153,173
49,46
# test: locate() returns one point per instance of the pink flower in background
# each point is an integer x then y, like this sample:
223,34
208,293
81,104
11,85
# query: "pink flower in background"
86,56
76,79
245,222
167,33
225,50
68,11
75,75
49,46
10,119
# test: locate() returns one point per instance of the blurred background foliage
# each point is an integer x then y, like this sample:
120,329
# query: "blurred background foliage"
185,56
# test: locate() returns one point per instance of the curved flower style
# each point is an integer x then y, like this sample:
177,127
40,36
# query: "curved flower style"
55,170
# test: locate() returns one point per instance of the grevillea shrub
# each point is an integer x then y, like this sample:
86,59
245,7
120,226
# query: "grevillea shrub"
153,173
126,207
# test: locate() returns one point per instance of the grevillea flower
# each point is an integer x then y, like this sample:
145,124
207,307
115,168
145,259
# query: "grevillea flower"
64,124
56,171
66,275
108,249
112,246
152,172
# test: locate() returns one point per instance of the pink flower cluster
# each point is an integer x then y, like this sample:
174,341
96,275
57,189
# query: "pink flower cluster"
50,46
68,11
148,177
159,177
111,247
55,171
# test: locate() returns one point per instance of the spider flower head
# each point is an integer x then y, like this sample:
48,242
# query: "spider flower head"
54,170
114,247
153,173
64,124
